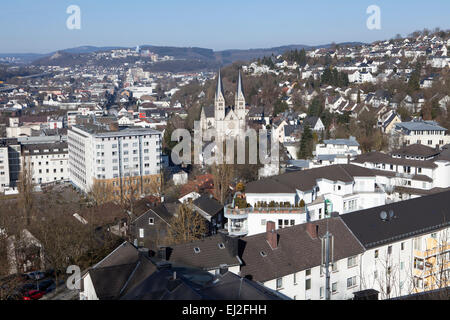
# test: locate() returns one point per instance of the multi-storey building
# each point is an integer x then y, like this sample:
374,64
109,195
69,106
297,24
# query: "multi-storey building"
411,171
118,158
397,249
422,132
48,162
9,163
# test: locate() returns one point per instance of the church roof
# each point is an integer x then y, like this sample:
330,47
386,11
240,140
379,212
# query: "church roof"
209,111
240,90
219,90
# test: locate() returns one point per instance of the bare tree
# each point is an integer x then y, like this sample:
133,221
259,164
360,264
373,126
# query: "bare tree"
222,176
101,192
186,226
25,186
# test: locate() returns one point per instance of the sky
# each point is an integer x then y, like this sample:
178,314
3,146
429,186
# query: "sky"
30,26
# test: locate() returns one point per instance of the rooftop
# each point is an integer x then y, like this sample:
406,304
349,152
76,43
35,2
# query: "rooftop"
411,218
111,131
420,126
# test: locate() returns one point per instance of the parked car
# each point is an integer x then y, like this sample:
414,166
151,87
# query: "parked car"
45,285
33,295
35,275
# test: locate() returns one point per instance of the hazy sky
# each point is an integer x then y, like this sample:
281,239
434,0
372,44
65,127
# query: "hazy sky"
40,25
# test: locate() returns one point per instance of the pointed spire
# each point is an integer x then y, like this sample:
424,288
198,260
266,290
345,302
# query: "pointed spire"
219,90
239,88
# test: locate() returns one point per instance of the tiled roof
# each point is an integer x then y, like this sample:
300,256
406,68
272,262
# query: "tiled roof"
296,250
411,218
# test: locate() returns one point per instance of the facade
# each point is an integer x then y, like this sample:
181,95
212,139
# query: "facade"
115,158
397,249
428,133
226,121
338,147
409,172
4,167
48,162
406,245
302,196
150,228
10,163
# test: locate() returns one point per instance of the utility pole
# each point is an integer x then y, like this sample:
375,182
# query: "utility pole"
327,260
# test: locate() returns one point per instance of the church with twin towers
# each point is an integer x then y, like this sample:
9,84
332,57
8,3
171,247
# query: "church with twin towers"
228,121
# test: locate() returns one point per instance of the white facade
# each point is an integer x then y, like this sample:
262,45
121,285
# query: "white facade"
4,168
310,284
48,162
102,154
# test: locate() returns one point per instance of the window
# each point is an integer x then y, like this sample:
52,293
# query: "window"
402,245
221,246
390,250
376,254
418,244
279,283
292,222
418,263
151,221
334,287
322,290
351,282
375,275
352,262
263,222
295,279
197,250
141,233
334,267
308,272
307,284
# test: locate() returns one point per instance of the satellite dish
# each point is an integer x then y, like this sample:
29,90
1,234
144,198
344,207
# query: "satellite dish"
383,215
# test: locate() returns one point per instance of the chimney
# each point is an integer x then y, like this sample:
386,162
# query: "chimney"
271,235
313,230
223,269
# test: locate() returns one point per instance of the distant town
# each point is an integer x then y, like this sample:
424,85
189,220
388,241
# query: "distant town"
356,206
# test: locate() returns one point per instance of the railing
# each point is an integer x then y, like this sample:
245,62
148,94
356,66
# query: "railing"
246,211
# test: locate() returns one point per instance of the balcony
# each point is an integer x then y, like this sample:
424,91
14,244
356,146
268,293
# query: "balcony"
237,213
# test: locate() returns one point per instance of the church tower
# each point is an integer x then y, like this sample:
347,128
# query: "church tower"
219,100
239,103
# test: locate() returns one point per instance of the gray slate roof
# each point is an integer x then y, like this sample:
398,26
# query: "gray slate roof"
412,218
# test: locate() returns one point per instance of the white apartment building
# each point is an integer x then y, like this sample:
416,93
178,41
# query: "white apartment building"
338,147
9,164
397,249
406,245
4,166
409,172
428,133
48,162
301,196
289,260
110,154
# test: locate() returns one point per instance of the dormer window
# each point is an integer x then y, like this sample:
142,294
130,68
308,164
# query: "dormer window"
221,246
263,254
197,250
151,221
